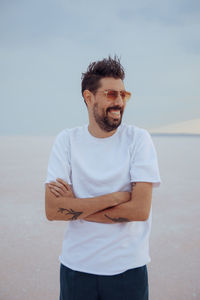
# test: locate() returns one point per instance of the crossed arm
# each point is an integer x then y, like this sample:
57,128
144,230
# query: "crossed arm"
137,209
61,204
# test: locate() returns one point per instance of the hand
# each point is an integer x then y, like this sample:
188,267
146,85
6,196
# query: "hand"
122,197
61,188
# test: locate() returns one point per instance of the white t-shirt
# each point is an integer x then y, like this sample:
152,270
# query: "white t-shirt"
99,166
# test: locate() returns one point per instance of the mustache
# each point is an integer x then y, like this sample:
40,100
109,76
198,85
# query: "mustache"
114,107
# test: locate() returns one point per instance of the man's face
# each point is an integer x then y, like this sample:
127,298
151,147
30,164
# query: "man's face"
108,113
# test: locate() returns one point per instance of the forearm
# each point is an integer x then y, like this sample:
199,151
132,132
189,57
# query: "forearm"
71,208
137,209
125,212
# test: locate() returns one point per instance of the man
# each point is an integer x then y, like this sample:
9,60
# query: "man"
100,179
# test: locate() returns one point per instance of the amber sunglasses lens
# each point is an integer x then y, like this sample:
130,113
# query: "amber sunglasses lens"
112,95
125,95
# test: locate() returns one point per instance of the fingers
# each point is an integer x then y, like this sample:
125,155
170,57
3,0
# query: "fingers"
57,186
64,183
57,189
55,193
60,187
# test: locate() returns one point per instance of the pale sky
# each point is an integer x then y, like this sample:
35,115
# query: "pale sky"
46,45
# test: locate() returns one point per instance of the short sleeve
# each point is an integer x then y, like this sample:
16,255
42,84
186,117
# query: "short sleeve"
144,163
59,165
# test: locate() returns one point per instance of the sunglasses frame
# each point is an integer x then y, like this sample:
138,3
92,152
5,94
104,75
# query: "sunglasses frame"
126,98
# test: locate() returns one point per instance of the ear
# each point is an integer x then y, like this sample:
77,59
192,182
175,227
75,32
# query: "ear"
87,96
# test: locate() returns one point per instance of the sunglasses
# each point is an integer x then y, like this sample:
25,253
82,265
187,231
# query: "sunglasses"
113,95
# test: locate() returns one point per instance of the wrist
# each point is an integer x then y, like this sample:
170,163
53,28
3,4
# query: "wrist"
117,198
122,197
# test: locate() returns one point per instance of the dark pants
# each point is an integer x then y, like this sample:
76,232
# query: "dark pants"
129,285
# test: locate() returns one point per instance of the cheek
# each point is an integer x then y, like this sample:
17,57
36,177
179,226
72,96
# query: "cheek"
103,107
124,106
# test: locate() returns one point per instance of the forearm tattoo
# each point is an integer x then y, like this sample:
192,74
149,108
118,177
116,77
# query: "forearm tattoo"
75,214
117,220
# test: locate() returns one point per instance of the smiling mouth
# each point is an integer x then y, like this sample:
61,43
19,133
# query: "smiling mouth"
114,112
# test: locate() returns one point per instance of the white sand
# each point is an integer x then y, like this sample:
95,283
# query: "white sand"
30,245
188,127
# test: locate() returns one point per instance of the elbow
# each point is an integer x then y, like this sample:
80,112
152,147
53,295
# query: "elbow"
48,213
49,217
145,216
49,205
49,210
141,216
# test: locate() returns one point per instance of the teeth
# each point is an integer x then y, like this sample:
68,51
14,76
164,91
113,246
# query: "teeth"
115,112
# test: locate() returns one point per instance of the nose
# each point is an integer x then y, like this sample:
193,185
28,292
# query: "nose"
119,101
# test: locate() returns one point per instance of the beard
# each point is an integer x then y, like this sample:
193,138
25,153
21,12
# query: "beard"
104,121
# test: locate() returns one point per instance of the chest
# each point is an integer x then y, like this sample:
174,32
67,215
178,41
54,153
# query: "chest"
100,166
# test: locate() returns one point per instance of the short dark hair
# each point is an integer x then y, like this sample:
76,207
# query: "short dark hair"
108,67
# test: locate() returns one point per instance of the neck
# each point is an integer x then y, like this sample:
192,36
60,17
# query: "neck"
97,132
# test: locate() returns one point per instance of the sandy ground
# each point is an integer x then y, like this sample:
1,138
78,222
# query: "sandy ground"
30,245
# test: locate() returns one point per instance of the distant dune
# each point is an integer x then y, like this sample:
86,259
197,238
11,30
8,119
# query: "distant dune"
186,127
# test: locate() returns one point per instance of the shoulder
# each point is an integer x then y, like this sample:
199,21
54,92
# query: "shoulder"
67,133
135,133
62,138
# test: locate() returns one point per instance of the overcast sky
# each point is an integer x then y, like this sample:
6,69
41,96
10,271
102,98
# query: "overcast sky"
46,45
